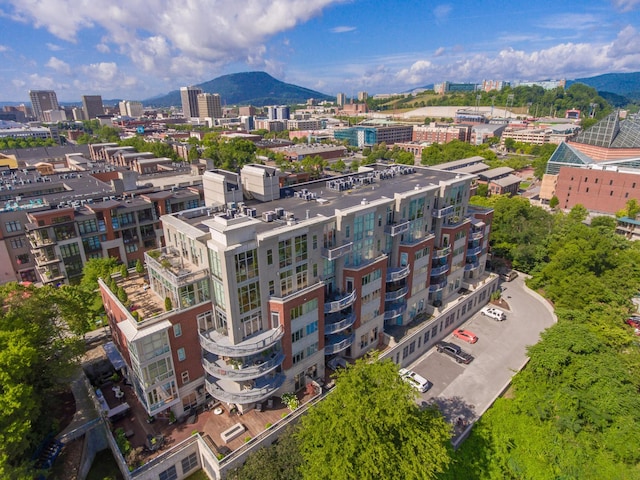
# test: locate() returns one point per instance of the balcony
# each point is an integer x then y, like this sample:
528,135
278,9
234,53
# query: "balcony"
437,287
474,251
175,269
471,267
244,392
476,235
340,303
337,252
441,252
338,343
442,212
396,274
395,312
395,295
219,344
40,241
336,323
241,371
442,269
398,228
42,260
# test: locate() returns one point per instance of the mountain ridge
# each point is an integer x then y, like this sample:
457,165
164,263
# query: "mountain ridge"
246,88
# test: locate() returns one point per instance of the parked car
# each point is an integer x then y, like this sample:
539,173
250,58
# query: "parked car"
495,313
416,381
465,335
633,321
508,276
454,351
337,362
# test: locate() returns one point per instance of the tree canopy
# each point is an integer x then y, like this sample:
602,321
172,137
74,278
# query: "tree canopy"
370,427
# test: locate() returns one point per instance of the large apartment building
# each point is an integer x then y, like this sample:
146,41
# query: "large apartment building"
254,292
42,101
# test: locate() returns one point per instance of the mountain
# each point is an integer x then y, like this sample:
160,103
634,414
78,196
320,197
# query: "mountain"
624,84
248,88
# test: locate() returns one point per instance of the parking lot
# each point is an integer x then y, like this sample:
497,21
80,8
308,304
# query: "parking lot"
464,392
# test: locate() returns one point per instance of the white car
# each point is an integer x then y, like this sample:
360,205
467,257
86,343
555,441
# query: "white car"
494,313
416,381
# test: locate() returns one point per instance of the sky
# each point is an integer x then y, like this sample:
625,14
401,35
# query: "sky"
134,50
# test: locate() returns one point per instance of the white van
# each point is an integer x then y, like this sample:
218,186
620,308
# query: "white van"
495,313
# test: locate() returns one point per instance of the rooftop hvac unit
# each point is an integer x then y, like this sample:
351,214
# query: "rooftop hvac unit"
279,211
269,216
252,212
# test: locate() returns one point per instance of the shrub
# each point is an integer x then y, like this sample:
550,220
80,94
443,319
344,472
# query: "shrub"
290,400
247,439
139,267
168,305
268,425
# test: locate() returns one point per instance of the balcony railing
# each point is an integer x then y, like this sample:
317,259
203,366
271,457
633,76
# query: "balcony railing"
337,252
215,342
442,252
42,260
474,251
395,312
435,271
340,344
471,266
398,228
254,391
259,367
341,303
395,274
442,212
395,295
476,235
344,323
436,287
38,241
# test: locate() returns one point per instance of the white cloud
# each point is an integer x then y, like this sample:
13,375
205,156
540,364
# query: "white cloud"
342,29
103,48
59,66
626,5
441,12
4,48
54,48
154,33
574,21
439,52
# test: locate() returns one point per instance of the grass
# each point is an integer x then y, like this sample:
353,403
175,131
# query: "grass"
104,467
199,475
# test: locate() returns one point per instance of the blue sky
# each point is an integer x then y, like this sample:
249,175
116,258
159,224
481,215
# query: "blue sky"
137,49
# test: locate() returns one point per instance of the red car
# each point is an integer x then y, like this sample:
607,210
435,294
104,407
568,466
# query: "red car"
465,335
633,322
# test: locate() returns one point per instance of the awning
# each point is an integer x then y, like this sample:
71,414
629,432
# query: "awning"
114,355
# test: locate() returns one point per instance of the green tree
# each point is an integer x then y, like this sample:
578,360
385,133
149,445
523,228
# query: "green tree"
371,428
631,209
554,202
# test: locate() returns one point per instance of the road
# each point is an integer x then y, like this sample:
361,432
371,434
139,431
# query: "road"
465,392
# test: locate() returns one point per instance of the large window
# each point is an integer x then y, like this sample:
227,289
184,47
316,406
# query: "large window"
302,276
246,265
301,248
216,267
251,325
249,297
310,306
169,474
87,226
284,253
286,282
13,226
189,463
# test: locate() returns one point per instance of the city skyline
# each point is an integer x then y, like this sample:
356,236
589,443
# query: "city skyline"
137,50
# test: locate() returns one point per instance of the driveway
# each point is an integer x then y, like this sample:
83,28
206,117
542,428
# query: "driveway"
465,392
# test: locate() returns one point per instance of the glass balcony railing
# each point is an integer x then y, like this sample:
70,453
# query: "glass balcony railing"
395,274
441,252
338,343
476,235
442,212
395,295
470,267
395,312
341,303
397,229
341,323
337,252
244,392
241,370
442,269
219,344
474,251
436,287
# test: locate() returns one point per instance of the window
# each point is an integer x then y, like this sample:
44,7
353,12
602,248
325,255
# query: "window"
169,474
297,335
269,257
312,327
303,309
311,349
302,277
185,377
286,282
190,462
272,287
22,258
249,297
284,253
181,354
246,265
610,182
315,241
17,242
347,231
177,330
300,244
298,357
13,226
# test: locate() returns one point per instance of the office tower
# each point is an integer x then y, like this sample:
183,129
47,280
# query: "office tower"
189,97
209,106
362,96
131,109
341,99
43,100
92,106
282,112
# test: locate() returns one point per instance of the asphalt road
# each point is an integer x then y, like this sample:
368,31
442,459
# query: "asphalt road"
465,392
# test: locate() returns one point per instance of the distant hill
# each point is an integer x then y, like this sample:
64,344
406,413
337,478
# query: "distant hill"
624,84
248,88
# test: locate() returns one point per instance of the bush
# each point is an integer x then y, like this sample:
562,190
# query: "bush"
168,305
290,400
139,267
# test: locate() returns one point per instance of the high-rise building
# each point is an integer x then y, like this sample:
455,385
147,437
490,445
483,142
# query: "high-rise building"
131,109
362,96
43,100
278,112
341,99
189,97
209,106
92,106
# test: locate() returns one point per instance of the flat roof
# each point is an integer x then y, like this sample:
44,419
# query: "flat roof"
459,163
496,172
